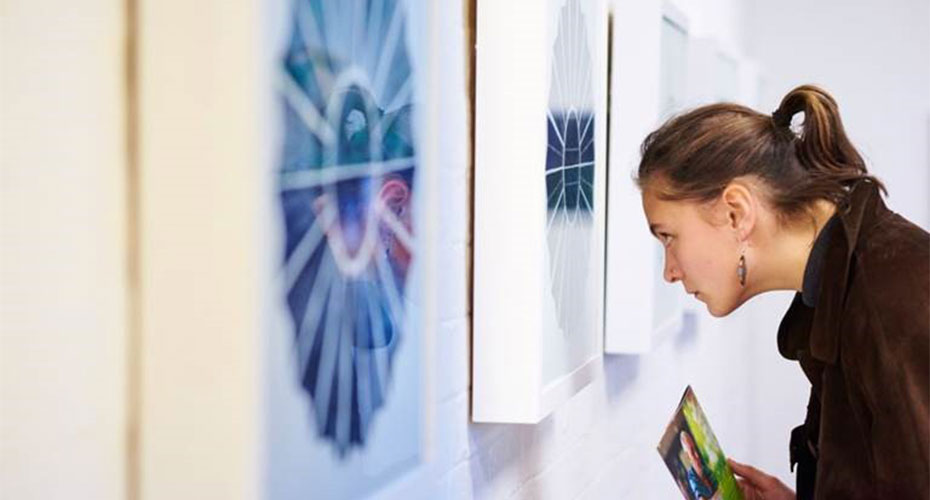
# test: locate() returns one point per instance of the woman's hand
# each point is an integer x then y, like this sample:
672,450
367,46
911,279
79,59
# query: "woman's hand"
757,485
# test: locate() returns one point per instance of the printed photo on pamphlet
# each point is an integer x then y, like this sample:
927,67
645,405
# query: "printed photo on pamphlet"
693,456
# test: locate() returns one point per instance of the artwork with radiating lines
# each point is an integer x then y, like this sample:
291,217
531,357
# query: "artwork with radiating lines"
570,167
346,183
539,205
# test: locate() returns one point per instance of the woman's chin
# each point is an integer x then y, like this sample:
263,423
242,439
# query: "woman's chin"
713,307
716,311
713,312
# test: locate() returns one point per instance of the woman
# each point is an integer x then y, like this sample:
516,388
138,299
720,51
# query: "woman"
744,204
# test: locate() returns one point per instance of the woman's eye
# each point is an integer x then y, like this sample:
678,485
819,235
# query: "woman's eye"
665,238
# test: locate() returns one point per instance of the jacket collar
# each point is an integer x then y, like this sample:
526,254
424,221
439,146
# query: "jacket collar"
818,330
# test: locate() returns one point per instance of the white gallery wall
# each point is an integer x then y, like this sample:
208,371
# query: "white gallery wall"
875,60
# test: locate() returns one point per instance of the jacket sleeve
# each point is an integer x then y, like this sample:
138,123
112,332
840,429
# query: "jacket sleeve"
889,360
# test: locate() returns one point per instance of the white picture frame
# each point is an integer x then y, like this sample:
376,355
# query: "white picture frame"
370,430
635,100
534,344
676,72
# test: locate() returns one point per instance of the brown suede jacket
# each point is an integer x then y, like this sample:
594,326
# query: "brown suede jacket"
865,347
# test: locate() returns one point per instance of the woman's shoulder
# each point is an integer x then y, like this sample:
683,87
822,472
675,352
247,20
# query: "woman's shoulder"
894,244
890,278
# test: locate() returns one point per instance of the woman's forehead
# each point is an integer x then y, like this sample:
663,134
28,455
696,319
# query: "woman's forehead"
661,213
656,206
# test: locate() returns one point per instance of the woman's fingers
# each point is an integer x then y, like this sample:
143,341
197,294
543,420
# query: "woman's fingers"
757,484
748,490
753,475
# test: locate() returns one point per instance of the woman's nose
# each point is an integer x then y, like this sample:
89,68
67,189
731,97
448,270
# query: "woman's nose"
671,272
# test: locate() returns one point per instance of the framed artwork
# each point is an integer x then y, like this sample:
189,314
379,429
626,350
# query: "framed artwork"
649,86
344,383
674,54
540,171
636,90
675,75
712,73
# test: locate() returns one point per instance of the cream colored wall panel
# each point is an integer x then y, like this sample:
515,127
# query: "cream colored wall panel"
200,147
62,250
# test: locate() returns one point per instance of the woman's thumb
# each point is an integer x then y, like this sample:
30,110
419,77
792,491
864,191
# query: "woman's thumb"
748,472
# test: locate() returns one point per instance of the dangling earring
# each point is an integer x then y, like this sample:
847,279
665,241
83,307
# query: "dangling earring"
741,269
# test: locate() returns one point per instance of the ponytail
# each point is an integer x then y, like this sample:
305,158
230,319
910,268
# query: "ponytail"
697,154
822,149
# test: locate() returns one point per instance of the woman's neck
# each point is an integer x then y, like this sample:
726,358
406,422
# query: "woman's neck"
790,249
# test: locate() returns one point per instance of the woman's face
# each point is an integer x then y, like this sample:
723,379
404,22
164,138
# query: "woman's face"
702,250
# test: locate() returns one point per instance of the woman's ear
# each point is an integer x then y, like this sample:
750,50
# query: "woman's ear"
739,202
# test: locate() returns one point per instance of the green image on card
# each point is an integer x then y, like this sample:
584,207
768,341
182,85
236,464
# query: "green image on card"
693,456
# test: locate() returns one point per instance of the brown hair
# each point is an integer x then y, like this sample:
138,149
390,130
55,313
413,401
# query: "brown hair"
698,153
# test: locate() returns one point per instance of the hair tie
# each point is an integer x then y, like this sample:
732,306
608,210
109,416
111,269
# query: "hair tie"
781,118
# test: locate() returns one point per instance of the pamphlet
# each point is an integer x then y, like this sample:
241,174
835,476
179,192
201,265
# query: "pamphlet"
693,456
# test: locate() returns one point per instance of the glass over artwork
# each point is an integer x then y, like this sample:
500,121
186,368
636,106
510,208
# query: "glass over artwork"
570,167
346,183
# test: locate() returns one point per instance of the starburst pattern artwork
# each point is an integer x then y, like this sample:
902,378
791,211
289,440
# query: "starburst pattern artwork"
570,166
346,183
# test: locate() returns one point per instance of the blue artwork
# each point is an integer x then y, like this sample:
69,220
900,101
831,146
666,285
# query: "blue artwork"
570,167
346,183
